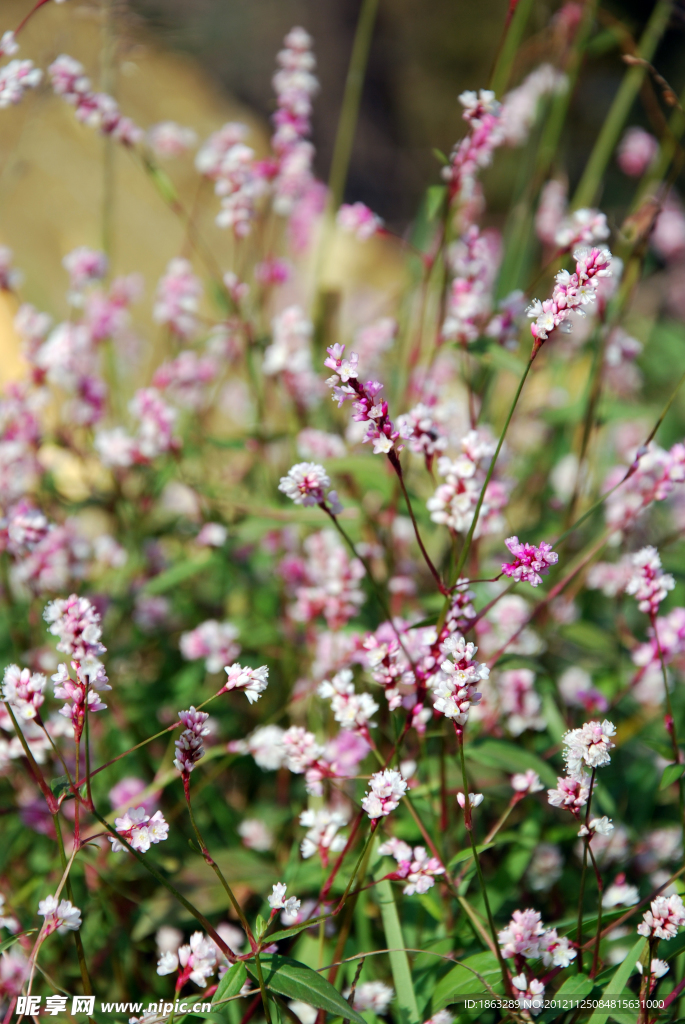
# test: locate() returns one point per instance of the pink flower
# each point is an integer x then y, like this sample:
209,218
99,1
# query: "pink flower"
357,219
84,266
648,584
662,921
77,624
522,935
189,748
386,789
530,562
127,790
23,690
571,792
295,86
168,139
571,293
139,830
178,297
253,681
306,484
15,78
214,641
97,110
636,151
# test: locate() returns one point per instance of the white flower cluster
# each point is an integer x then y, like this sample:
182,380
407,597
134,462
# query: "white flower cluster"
386,789
587,747
352,710
455,687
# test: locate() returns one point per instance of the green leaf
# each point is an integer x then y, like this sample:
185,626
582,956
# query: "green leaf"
60,787
462,981
408,1011
672,772
578,986
290,978
509,758
164,184
435,197
6,943
176,574
589,636
618,981
230,985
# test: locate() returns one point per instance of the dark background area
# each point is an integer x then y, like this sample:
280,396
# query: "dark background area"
424,53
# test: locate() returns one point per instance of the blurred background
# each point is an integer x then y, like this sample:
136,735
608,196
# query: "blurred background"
204,62
423,55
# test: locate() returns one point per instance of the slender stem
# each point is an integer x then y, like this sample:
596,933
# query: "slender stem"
53,805
262,989
605,145
469,828
481,497
354,83
393,458
670,721
586,844
342,149
365,847
514,28
600,891
80,952
215,868
209,928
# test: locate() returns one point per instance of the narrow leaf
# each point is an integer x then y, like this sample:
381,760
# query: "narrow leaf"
290,978
463,980
618,981
578,986
6,943
509,758
672,772
176,574
408,1011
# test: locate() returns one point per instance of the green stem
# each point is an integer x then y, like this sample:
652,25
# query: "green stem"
408,1011
586,844
262,989
53,805
226,950
217,871
600,890
476,860
342,150
466,546
513,33
357,866
80,952
670,723
347,124
588,187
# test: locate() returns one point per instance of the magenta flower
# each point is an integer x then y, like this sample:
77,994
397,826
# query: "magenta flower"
530,562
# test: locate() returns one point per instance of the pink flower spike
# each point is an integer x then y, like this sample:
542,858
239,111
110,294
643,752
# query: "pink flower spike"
530,562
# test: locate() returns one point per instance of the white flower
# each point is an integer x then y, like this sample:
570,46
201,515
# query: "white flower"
657,968
167,963
253,681
371,995
277,902
526,782
386,790
475,799
603,826
255,834
60,917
